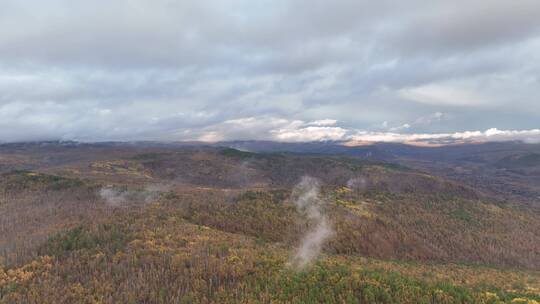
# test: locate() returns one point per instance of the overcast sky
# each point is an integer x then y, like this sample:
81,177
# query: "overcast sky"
290,70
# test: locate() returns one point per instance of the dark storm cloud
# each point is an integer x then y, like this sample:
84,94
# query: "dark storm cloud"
182,70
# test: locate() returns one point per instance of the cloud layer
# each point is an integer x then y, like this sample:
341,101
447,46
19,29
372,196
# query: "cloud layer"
282,70
328,130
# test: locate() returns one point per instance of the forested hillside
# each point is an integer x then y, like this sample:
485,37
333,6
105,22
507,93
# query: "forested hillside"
139,224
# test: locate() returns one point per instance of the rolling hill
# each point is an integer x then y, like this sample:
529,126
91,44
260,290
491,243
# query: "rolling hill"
156,223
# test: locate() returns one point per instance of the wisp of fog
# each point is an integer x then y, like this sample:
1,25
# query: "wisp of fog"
306,197
118,196
358,183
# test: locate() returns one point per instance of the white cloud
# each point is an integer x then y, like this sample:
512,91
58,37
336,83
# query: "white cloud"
324,122
402,127
430,119
280,129
490,135
443,95
272,128
309,133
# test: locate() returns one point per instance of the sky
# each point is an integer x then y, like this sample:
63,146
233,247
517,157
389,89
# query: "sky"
295,70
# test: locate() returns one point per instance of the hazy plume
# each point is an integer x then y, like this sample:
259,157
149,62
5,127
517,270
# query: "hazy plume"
121,196
358,183
309,204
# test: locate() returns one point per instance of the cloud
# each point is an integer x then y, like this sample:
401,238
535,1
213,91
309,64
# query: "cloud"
309,134
324,122
280,129
165,70
437,94
490,135
272,128
402,127
468,26
423,122
430,119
